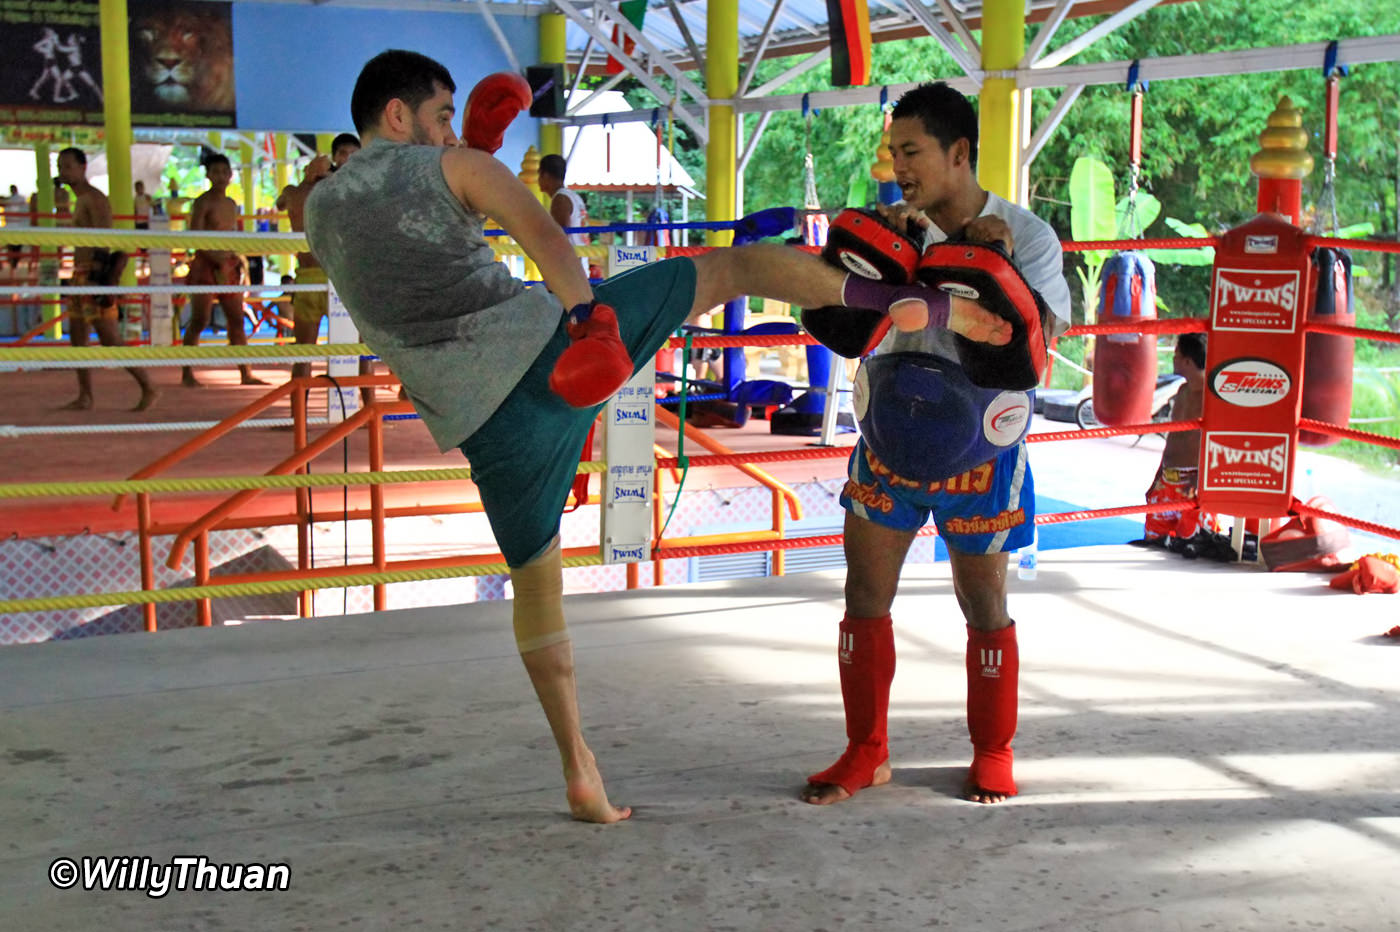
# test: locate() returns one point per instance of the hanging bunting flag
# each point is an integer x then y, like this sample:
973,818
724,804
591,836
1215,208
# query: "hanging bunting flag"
633,11
849,22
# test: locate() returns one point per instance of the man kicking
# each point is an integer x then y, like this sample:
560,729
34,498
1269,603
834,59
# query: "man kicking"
514,376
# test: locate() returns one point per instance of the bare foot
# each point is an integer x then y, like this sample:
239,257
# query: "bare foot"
189,381
81,403
588,799
972,792
824,794
250,379
148,398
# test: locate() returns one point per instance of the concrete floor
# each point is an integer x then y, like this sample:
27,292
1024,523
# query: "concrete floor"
1201,747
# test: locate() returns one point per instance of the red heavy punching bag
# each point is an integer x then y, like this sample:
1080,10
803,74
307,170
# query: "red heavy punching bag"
1327,359
1125,364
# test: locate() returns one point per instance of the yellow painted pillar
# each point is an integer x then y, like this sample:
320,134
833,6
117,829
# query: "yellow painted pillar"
279,171
116,118
999,125
323,143
282,149
48,268
245,179
552,51
116,114
722,82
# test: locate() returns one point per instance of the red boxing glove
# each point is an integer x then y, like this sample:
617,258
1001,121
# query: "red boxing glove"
596,362
491,107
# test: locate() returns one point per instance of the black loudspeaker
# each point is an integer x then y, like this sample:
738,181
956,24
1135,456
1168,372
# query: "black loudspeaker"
546,89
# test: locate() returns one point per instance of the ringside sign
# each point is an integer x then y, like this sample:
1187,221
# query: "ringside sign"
1261,291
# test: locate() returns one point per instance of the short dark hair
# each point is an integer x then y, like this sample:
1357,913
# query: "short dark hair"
344,139
75,153
554,165
214,158
394,74
1193,347
946,114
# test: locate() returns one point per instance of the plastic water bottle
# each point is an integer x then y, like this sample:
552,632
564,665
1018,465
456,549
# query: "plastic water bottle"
1028,557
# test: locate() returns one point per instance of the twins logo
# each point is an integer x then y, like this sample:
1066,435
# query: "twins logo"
1250,383
633,554
631,492
632,413
1258,292
959,290
858,264
1240,460
1271,458
1255,299
631,255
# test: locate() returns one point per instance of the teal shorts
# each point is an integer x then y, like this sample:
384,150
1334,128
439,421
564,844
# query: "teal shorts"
525,456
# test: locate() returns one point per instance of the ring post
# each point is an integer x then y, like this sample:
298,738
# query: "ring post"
629,441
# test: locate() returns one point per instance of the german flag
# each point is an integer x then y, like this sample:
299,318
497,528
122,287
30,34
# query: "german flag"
849,22
635,12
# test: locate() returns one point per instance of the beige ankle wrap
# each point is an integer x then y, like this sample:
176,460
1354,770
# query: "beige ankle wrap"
538,614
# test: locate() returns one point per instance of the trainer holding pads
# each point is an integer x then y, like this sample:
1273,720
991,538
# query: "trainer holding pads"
498,370
936,443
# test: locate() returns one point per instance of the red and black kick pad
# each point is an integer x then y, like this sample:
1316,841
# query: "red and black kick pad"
984,273
851,332
863,243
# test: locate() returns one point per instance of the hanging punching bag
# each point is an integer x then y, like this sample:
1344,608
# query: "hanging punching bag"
1125,364
1327,359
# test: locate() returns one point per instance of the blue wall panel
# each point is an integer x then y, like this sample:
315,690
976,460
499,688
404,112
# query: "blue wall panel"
297,65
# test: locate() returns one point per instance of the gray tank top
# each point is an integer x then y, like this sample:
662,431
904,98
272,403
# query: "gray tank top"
420,281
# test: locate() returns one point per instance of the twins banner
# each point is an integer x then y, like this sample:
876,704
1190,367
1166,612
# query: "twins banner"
181,63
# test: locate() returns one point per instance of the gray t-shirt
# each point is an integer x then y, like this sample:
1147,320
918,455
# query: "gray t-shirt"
1036,253
423,286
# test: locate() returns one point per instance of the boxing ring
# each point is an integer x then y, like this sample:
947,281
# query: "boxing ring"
378,571
1217,753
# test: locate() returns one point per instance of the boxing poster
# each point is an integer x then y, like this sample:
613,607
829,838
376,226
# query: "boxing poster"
181,58
50,62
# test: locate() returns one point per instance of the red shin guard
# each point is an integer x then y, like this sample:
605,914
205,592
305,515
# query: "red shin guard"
866,654
993,672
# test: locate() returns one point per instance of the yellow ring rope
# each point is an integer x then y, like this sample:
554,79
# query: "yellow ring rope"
247,244
271,587
213,353
238,483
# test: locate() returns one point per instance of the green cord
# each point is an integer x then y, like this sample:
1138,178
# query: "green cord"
682,460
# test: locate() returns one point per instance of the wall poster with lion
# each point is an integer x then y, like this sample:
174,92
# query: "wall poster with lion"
181,63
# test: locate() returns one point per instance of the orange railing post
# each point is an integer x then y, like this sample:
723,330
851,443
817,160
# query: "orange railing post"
203,607
376,501
303,497
148,566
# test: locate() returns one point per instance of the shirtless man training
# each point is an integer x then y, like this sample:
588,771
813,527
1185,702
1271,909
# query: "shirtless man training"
310,307
215,210
94,266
